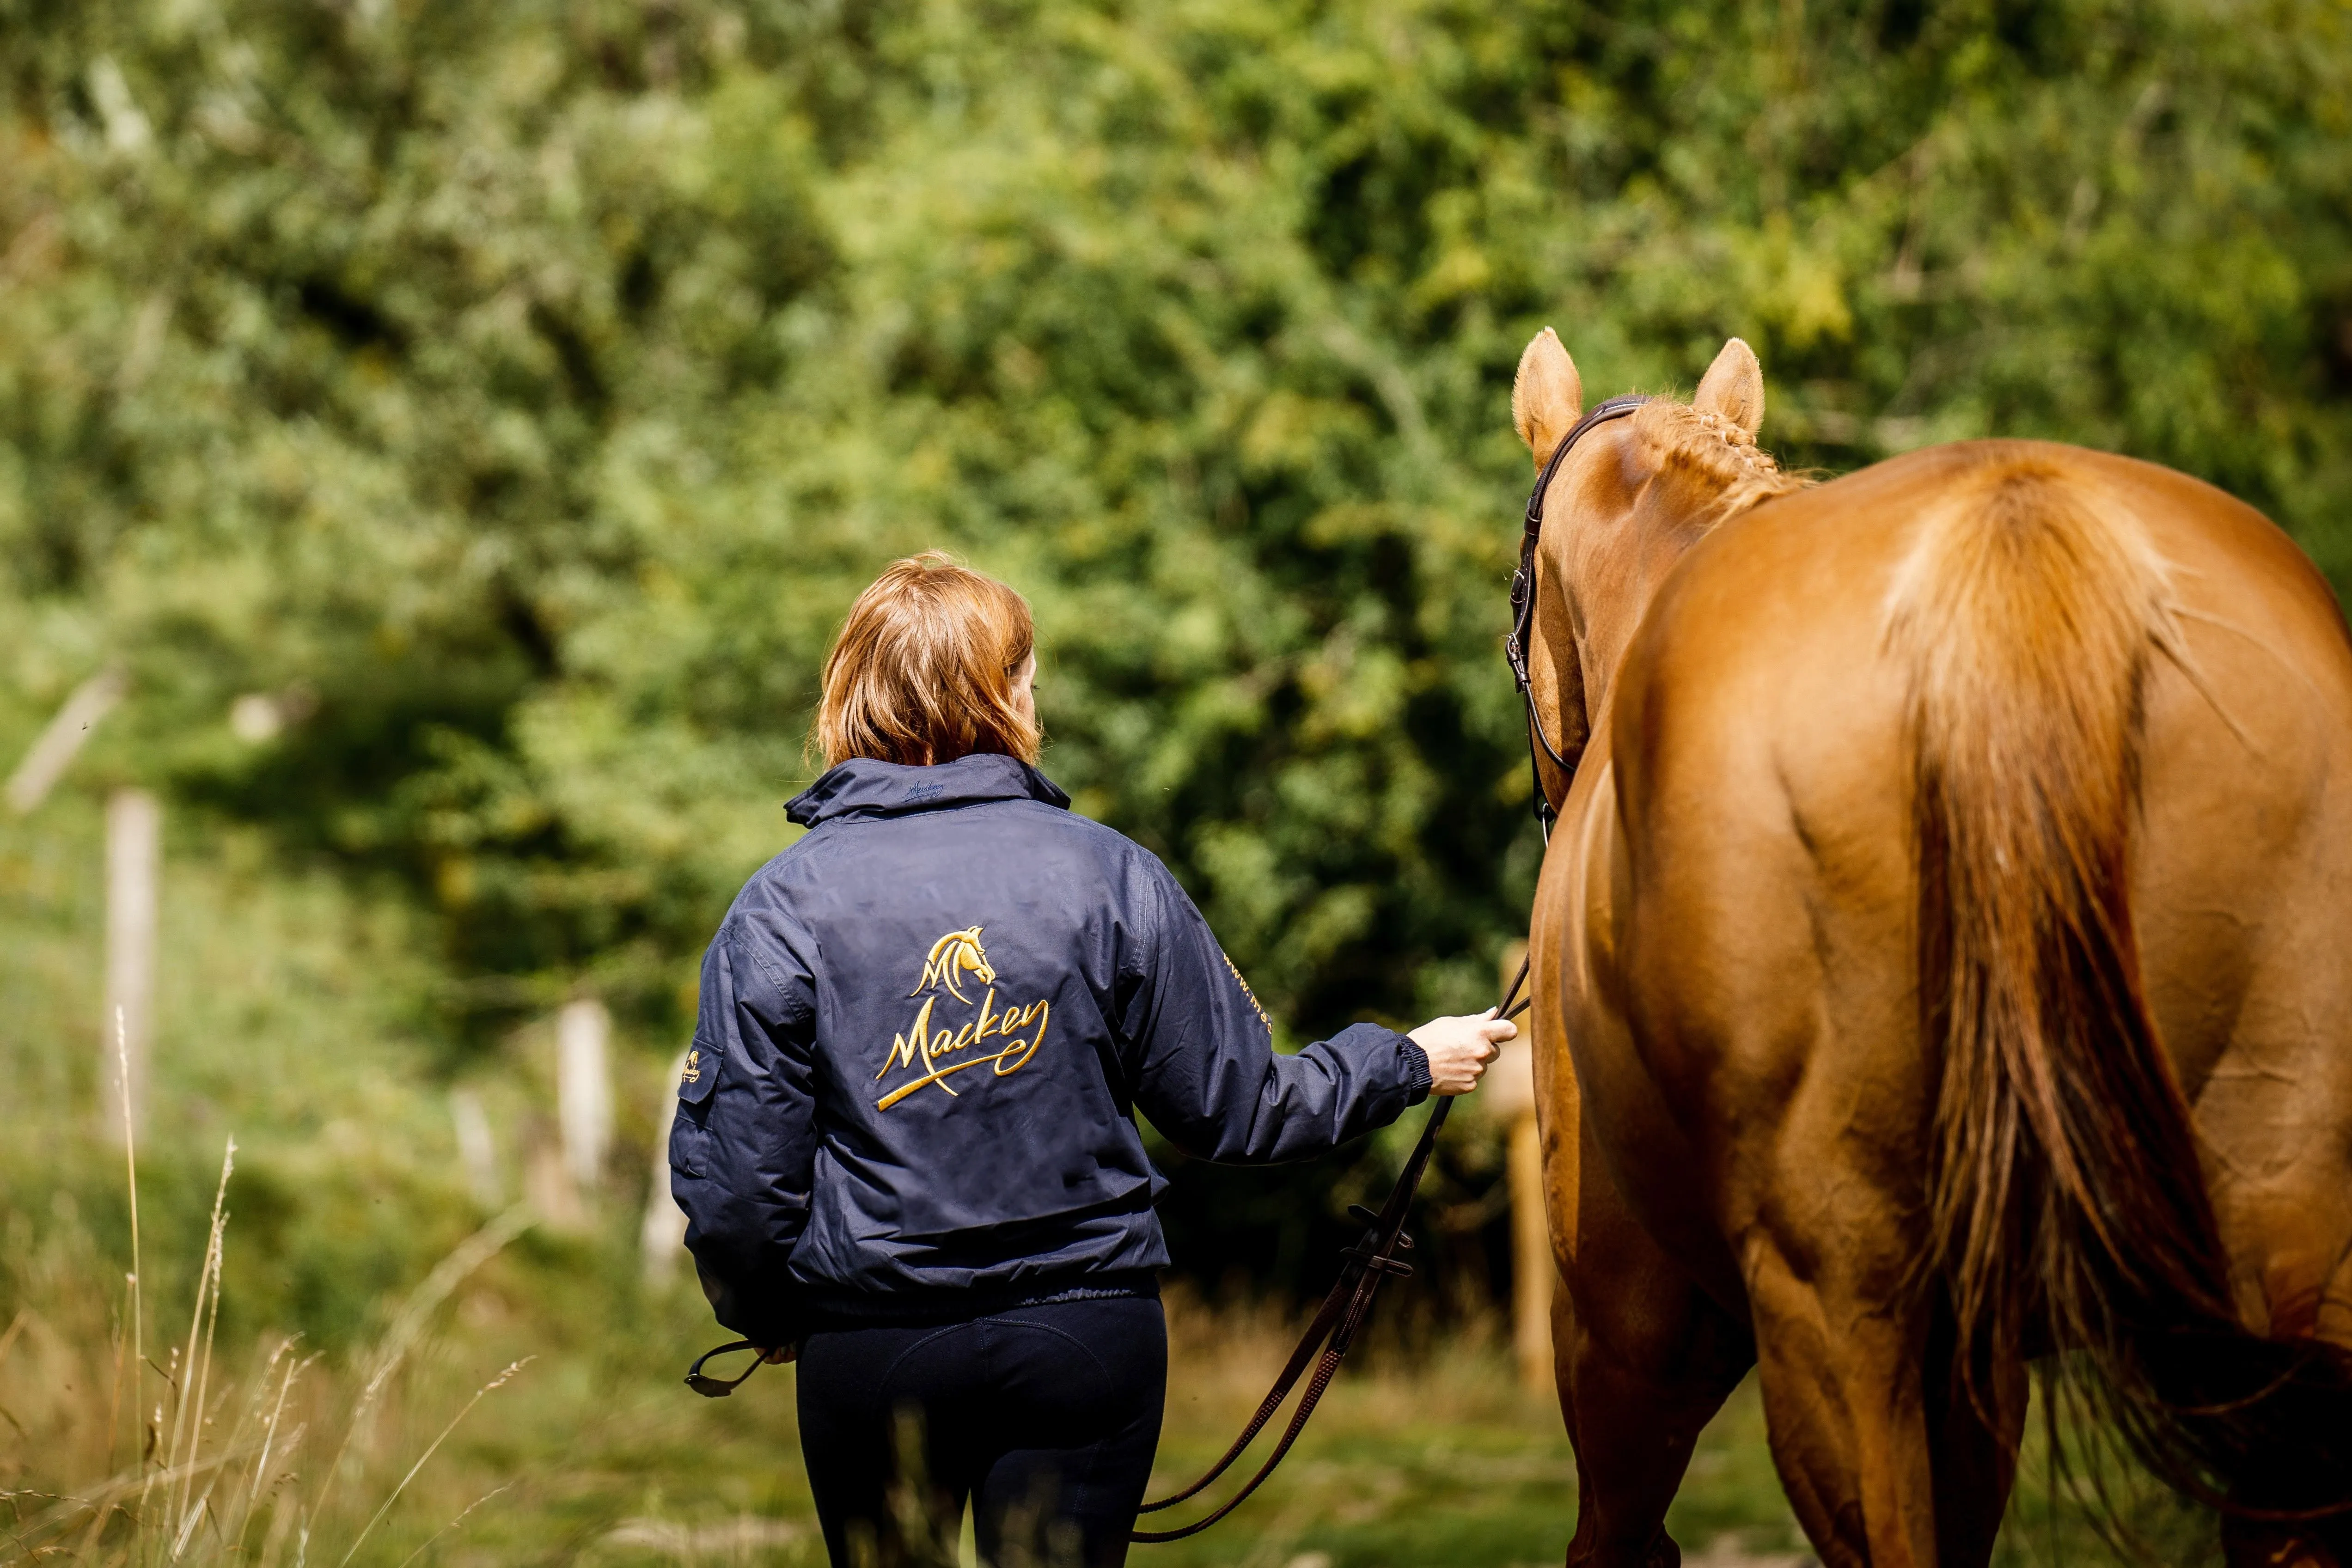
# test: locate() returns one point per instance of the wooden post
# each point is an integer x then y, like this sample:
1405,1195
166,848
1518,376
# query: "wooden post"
583,1090
134,856
547,1184
1511,1099
476,1153
1533,1273
662,1237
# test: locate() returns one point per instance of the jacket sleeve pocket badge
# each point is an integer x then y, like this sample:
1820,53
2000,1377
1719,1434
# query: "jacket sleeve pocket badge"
698,1075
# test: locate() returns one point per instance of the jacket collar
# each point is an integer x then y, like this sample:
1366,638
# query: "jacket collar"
863,787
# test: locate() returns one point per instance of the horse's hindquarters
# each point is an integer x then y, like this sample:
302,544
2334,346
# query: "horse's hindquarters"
1760,991
1759,996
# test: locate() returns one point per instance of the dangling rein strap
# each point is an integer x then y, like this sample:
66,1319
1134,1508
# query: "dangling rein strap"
1333,1330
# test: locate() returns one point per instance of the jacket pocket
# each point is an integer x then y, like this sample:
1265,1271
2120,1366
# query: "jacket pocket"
689,1145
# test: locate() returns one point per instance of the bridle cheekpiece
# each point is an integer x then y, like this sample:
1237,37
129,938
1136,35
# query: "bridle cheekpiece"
1523,598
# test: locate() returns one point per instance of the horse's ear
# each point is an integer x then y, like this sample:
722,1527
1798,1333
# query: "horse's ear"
1547,395
1733,387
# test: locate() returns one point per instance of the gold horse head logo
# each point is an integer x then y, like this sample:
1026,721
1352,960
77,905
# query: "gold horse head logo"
953,956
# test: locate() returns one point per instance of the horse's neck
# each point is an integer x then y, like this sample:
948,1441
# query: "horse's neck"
1617,594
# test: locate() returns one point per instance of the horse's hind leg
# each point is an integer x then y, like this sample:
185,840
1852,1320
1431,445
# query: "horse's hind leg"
2287,1222
1886,1460
1845,1403
1973,1435
1645,1359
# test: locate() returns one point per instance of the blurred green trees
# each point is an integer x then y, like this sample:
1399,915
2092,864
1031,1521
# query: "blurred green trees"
515,394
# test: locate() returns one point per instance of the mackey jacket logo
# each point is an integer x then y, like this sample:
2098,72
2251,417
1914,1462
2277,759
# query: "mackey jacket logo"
937,1047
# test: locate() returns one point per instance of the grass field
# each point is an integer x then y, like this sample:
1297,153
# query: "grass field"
335,1412
593,1452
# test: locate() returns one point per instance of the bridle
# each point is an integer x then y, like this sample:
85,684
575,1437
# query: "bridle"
1522,600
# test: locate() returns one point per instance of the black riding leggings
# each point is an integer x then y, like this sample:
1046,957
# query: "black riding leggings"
1044,1416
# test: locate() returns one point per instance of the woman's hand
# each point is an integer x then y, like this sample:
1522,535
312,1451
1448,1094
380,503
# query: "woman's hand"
781,1353
1460,1048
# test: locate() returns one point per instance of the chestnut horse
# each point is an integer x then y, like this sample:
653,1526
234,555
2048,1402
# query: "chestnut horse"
1944,954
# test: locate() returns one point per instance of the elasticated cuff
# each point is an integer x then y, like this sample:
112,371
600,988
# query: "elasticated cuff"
1416,1071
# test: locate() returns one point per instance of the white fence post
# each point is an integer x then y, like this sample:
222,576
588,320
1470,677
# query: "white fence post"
134,855
583,1090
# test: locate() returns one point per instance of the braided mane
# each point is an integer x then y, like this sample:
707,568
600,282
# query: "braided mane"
1716,454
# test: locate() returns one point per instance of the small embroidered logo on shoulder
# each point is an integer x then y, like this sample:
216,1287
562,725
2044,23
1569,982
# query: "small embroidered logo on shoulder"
935,1045
919,793
693,1073
1256,1006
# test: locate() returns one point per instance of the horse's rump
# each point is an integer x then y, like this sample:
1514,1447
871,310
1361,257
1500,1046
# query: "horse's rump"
2064,1188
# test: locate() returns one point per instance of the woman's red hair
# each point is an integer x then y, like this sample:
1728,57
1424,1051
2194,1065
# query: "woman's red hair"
922,672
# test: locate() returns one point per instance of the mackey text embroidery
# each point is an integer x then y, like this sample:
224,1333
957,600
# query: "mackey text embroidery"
937,1047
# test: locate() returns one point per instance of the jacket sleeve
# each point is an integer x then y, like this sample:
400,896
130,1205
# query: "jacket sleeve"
743,1145
1203,1063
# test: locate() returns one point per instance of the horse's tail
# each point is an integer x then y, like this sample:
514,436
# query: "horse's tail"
2064,1188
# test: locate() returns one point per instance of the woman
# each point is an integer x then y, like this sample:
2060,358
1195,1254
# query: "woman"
905,1141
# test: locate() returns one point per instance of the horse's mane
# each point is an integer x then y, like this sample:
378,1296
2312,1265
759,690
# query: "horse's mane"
1714,454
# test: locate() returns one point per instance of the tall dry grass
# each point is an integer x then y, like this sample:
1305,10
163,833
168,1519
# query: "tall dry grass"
149,1445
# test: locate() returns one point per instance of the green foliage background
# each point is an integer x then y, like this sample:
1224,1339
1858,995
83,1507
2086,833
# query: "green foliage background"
520,391
516,394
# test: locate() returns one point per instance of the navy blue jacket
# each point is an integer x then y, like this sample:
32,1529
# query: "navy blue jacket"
924,1029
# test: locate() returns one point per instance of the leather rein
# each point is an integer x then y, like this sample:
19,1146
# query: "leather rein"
1372,1259
1522,600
